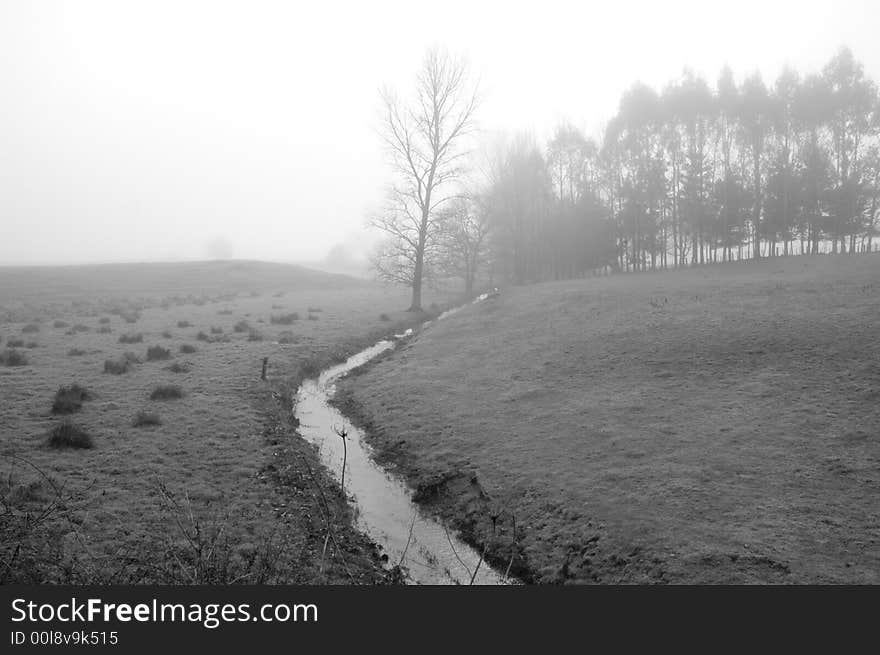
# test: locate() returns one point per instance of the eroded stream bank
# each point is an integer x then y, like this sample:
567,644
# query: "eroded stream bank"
386,510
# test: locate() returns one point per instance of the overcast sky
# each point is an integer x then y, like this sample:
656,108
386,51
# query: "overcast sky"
137,131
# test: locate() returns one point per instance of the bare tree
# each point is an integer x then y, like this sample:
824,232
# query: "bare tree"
426,145
464,242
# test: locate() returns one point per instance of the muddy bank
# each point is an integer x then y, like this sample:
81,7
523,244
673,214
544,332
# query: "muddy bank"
306,499
306,502
455,495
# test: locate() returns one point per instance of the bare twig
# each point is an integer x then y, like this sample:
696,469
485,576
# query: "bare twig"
325,509
408,539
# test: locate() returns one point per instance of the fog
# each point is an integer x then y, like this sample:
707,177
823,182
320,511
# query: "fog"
184,130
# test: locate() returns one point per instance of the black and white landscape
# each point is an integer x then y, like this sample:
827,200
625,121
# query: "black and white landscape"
468,293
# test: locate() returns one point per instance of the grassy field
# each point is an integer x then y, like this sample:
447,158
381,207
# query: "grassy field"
208,487
712,425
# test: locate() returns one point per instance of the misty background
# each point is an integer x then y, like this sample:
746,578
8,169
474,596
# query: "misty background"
190,130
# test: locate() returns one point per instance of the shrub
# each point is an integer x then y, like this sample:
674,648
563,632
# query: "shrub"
15,343
216,330
167,392
60,324
12,358
31,344
287,337
69,435
183,324
241,326
70,399
284,319
116,366
146,418
104,329
255,336
157,353
79,327
313,317
131,358
201,336
384,317
131,317
30,328
224,312
188,348
177,367
104,320
131,338
75,352
167,335
315,310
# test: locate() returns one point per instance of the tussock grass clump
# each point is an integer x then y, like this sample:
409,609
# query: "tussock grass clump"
224,312
315,310
117,366
15,343
60,324
144,418
313,317
183,324
104,329
287,337
70,399
284,319
201,336
188,348
131,338
255,336
131,317
167,392
166,334
30,328
79,327
12,358
157,353
216,330
384,317
31,344
69,435
75,352
241,326
177,367
104,320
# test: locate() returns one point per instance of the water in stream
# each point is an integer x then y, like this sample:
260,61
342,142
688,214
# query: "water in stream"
428,552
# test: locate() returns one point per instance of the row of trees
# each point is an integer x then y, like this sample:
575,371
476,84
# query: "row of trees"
692,175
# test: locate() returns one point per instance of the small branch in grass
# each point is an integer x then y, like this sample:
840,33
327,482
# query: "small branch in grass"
482,555
494,518
325,509
408,540
454,552
512,549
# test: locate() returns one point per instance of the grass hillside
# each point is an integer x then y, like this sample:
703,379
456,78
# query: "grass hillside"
127,280
717,424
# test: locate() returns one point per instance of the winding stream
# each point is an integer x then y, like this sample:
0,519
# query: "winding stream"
424,548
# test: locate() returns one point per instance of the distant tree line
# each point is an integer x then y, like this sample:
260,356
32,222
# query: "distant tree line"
688,176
